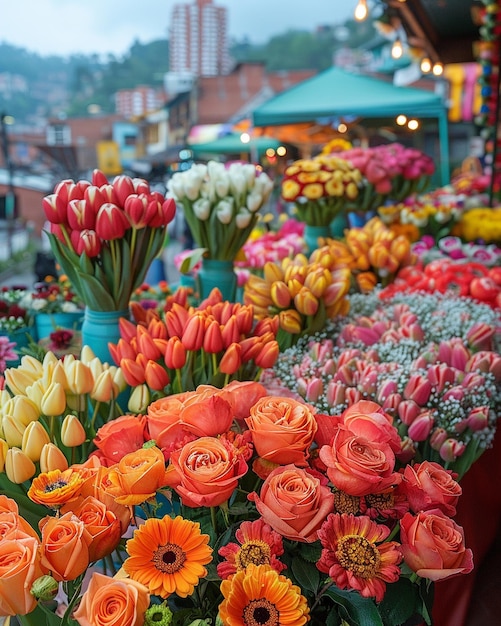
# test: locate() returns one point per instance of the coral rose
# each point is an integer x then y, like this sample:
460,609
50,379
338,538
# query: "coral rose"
206,472
242,395
11,521
102,524
282,430
433,545
65,546
177,419
371,421
19,568
120,436
112,602
137,476
294,503
428,485
358,465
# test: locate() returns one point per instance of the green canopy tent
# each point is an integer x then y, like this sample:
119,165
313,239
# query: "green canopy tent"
232,144
337,93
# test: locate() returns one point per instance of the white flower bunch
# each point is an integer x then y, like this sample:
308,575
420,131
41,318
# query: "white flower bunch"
220,204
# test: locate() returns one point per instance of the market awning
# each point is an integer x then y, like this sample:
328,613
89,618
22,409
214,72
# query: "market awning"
232,144
336,93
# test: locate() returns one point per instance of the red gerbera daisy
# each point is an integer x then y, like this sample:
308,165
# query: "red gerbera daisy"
354,556
259,544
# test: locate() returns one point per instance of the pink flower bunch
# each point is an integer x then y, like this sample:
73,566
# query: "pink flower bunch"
391,170
271,246
441,391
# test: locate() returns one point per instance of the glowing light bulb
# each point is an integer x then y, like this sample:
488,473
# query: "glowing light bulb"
425,65
361,10
401,120
438,69
413,125
397,49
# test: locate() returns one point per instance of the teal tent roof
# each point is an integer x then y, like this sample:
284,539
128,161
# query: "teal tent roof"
337,93
232,144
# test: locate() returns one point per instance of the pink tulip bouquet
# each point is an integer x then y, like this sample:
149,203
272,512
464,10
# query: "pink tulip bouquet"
389,171
105,235
235,506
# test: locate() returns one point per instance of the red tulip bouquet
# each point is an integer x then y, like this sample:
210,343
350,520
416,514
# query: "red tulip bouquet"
105,236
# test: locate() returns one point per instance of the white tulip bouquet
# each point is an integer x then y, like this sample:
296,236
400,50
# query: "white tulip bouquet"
221,204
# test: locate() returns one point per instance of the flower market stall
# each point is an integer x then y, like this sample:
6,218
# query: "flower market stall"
306,452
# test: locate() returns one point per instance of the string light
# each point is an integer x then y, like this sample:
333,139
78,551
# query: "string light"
397,49
361,11
438,69
425,65
413,125
401,120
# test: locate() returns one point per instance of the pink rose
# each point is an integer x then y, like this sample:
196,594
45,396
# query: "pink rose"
429,486
433,545
294,503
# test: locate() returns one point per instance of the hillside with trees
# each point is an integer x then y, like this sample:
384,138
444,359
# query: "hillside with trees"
52,86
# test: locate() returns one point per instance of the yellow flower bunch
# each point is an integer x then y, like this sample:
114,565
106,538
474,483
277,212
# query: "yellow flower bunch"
302,293
50,411
480,223
320,188
373,254
338,144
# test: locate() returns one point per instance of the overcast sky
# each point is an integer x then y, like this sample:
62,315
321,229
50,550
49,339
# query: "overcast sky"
66,27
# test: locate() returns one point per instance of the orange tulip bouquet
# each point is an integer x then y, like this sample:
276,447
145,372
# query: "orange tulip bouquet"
234,506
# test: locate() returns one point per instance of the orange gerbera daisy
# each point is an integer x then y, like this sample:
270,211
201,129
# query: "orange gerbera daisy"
260,596
354,556
56,487
168,556
257,543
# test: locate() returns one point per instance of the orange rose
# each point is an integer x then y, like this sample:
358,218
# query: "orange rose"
11,521
102,524
242,395
294,503
282,430
205,472
112,602
137,476
97,485
433,545
176,419
19,568
65,546
120,436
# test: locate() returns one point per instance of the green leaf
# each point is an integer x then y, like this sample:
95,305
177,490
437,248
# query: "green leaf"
355,609
306,574
194,257
400,602
311,552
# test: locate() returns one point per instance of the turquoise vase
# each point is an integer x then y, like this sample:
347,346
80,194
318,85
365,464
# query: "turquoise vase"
47,323
338,226
220,274
21,337
100,328
312,234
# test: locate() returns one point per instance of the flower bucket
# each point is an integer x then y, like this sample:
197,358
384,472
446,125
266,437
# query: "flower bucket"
21,337
220,274
312,234
100,328
47,323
